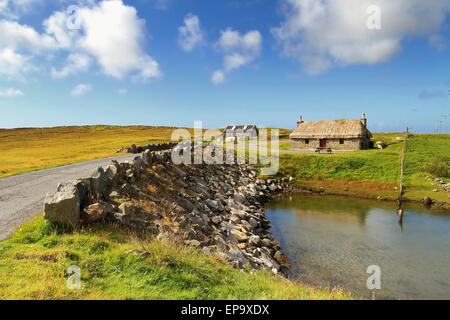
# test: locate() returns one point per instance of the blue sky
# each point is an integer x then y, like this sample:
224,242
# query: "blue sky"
172,62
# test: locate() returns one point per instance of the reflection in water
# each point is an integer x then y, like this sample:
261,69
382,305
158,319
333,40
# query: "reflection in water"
400,224
332,241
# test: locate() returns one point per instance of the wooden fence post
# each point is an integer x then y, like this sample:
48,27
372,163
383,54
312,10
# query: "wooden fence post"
402,174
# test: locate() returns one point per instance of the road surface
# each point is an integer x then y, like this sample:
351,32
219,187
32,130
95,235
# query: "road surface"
22,196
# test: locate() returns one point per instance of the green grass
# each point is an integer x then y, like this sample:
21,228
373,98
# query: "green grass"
422,152
372,167
361,166
34,261
439,167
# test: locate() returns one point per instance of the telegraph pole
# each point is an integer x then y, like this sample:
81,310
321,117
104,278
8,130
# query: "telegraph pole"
444,117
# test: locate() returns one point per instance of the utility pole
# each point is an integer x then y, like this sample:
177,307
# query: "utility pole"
444,117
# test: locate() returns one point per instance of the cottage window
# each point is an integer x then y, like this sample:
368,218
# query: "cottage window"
306,141
341,141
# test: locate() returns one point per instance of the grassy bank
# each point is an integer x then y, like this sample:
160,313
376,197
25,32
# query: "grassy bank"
33,265
376,173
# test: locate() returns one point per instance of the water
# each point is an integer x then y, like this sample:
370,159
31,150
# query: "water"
331,241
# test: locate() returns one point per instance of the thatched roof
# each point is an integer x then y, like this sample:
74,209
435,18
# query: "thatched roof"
331,129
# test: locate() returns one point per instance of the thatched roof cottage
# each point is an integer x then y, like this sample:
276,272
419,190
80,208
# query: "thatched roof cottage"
347,135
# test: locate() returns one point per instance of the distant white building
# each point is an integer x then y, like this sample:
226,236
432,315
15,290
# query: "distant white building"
233,133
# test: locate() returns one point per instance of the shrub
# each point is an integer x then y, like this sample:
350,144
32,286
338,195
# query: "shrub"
440,167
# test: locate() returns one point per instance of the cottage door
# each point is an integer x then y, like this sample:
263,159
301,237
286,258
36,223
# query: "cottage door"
323,143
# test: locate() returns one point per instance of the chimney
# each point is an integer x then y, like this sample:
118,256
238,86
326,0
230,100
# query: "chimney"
364,120
300,121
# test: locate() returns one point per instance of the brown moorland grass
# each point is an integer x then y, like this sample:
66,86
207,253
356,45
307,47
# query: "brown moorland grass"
29,149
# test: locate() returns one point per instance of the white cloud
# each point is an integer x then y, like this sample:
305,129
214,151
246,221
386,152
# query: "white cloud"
218,77
3,5
12,9
190,34
114,35
239,50
323,34
76,63
80,90
122,91
17,36
19,44
10,93
57,26
14,65
110,33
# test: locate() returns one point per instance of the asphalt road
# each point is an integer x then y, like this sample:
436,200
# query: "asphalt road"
22,196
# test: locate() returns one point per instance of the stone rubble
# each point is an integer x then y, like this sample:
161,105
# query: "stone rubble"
445,186
216,208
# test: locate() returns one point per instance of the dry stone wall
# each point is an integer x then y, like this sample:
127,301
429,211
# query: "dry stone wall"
152,147
216,208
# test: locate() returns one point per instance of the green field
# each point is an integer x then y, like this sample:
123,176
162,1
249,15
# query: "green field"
33,265
376,173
